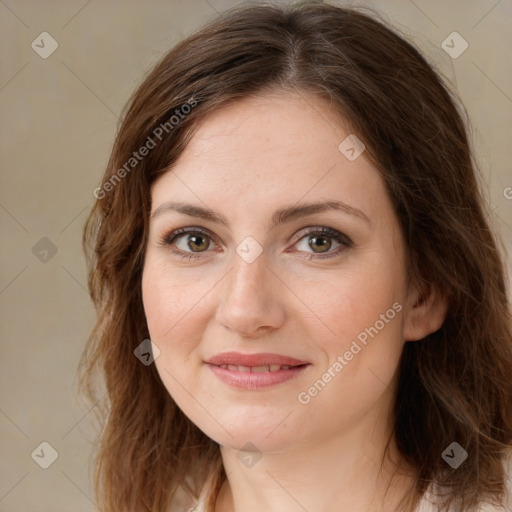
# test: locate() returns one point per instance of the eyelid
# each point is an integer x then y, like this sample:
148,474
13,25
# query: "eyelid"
324,230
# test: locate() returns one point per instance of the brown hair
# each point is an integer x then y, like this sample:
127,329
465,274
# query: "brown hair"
454,384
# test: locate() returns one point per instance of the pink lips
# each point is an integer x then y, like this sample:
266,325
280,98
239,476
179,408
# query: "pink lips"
255,371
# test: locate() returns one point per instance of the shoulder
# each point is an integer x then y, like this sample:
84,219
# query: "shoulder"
428,502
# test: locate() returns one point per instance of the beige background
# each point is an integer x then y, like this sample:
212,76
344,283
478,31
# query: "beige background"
59,118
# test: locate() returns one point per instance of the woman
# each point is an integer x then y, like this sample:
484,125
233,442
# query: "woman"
291,215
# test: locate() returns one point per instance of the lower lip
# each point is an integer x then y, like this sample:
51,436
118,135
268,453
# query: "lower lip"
256,380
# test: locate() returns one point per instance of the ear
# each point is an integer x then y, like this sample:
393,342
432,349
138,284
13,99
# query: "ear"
425,313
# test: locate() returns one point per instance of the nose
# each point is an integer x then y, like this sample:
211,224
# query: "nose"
251,298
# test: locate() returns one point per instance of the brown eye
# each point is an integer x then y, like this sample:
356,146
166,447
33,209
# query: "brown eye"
322,242
189,243
196,242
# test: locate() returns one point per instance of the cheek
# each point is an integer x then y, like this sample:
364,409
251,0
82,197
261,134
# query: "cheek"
359,375
171,309
362,314
348,303
168,299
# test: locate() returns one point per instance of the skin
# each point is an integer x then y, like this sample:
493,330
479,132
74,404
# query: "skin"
245,161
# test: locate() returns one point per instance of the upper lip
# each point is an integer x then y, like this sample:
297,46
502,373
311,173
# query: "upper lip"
263,359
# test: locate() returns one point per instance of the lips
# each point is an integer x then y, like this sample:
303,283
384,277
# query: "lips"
255,371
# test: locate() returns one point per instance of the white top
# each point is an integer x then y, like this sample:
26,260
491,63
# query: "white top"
424,506
427,503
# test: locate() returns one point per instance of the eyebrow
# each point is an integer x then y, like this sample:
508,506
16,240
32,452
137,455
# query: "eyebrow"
279,217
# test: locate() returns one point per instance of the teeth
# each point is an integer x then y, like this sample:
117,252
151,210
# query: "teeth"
258,369
255,369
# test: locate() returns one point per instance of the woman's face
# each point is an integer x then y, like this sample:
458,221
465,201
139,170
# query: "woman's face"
255,276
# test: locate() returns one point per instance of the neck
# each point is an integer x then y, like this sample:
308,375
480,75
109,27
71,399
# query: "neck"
352,471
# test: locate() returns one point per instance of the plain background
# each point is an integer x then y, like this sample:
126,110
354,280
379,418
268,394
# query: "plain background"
59,118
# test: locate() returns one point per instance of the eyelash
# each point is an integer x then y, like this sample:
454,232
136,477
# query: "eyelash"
167,241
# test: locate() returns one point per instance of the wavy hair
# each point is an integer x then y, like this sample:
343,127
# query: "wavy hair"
454,385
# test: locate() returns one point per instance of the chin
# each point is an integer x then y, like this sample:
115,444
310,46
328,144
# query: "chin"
254,442
263,435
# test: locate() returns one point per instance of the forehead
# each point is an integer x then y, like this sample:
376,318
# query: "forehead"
270,150
262,127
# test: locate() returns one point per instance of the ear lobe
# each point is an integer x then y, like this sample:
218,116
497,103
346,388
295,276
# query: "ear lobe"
426,313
